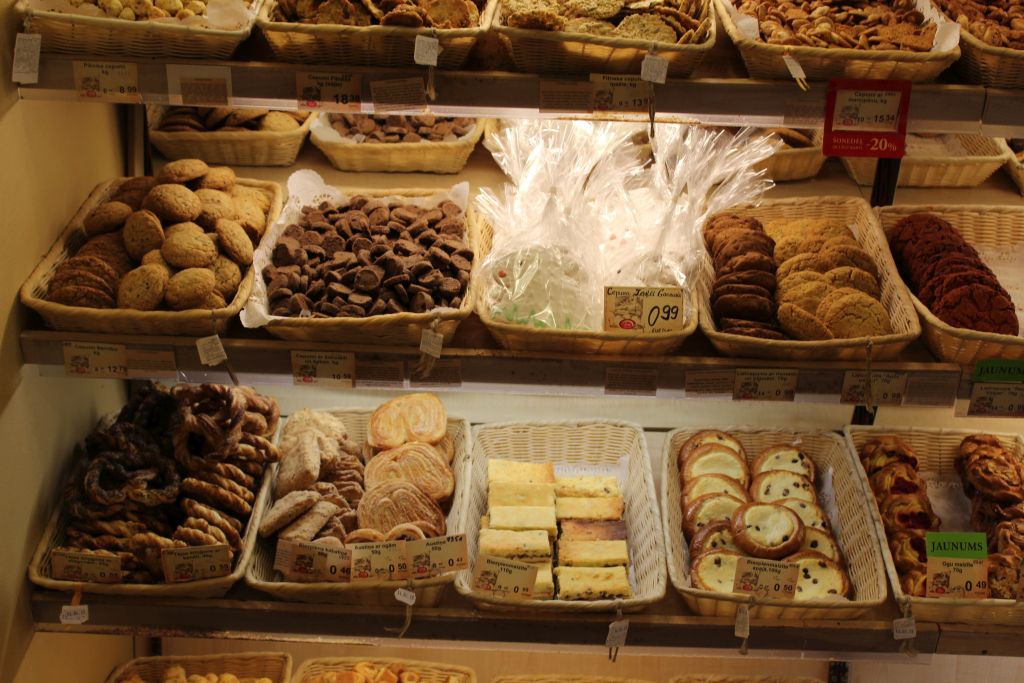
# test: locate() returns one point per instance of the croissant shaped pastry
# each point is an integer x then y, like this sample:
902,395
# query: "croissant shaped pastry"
896,478
908,511
909,550
885,450
414,417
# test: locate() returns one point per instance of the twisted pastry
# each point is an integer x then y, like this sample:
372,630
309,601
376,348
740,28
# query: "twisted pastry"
202,525
225,524
168,481
264,406
228,485
216,496
193,537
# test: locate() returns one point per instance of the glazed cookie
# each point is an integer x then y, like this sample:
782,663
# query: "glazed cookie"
143,288
182,171
854,278
215,206
785,457
228,277
217,178
185,250
857,315
714,536
107,217
801,325
234,241
189,288
775,485
173,203
142,233
746,307
767,530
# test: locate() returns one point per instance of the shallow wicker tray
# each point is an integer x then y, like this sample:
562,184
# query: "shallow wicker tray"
856,214
561,52
395,329
379,46
261,574
108,37
235,148
985,156
39,569
993,67
764,60
936,451
196,322
1014,166
277,666
982,226
854,530
401,157
587,442
429,672
795,163
526,338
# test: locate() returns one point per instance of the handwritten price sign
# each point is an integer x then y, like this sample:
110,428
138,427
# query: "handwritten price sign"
644,310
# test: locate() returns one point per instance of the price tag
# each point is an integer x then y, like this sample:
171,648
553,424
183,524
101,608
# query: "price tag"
107,81
405,596
766,578
95,360
565,97
866,118
425,51
644,310
654,69
435,556
742,626
74,614
380,373
504,578
431,343
26,58
386,561
85,567
996,399
195,563
709,383
211,351
887,388
957,565
904,629
795,70
199,85
151,363
617,631
631,381
764,385
399,94
323,91
324,368
619,93
313,562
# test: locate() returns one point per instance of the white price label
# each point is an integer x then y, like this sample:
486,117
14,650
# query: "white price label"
26,58
385,561
74,614
325,91
324,368
997,399
426,50
766,578
312,562
72,565
613,92
654,69
765,385
405,596
102,361
211,351
505,578
435,556
904,629
431,343
195,563
875,111
742,626
107,81
617,631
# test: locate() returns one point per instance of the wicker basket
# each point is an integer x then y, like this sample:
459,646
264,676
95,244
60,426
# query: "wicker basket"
591,442
557,678
390,329
853,527
999,227
936,451
856,215
261,574
378,46
764,60
108,37
196,322
39,569
1014,166
984,157
524,338
560,52
277,666
235,148
795,163
993,67
723,678
401,157
429,672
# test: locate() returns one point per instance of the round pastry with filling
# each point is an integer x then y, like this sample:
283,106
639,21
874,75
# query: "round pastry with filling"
907,511
771,486
909,550
710,436
896,478
716,459
783,457
714,536
820,578
810,514
714,507
713,483
767,530
714,570
818,541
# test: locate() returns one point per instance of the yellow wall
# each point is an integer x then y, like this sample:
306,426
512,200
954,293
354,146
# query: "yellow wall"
51,155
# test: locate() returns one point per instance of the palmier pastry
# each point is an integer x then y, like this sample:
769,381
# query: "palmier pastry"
907,511
1004,575
716,459
709,436
818,541
914,583
1007,537
778,484
714,536
713,483
413,417
767,530
819,578
713,507
909,550
783,457
395,502
897,478
418,463
810,514
885,450
995,474
714,570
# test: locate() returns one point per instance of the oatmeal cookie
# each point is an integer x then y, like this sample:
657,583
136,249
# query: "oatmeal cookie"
143,288
592,9
536,14
182,171
851,276
801,325
214,300
155,258
646,27
234,242
217,178
173,203
594,27
216,204
142,232
228,276
806,296
186,250
251,217
857,315
803,262
107,217
189,288
109,247
253,194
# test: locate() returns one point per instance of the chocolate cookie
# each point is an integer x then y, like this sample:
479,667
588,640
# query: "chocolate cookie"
801,325
751,260
724,236
93,265
978,307
737,322
937,287
744,306
951,264
79,295
724,221
746,277
914,227
750,331
753,290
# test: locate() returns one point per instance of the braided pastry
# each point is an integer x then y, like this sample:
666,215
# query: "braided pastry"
79,509
971,444
110,527
229,526
232,472
193,537
1007,537
155,519
908,511
885,450
228,485
200,524
994,474
899,477
253,469
215,496
104,481
264,406
909,550
257,449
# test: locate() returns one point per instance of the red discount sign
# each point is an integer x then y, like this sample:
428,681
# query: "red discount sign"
866,118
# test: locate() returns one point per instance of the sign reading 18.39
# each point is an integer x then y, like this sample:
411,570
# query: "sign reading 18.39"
866,118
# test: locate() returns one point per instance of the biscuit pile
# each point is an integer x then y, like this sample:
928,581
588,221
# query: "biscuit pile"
368,672
862,25
397,128
179,241
440,14
996,22
369,257
227,119
949,277
661,21
140,10
767,509
174,469
178,674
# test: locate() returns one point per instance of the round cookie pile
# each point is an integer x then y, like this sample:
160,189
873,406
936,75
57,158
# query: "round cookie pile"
179,241
668,21
949,277
393,128
228,119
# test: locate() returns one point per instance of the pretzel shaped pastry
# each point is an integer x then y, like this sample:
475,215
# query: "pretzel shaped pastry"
202,525
228,485
104,481
229,526
216,496
164,473
194,537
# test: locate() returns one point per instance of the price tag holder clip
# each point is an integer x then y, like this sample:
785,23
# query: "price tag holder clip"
742,627
617,631
76,613
407,597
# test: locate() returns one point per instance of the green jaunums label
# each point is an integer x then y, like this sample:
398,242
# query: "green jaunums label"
996,370
967,545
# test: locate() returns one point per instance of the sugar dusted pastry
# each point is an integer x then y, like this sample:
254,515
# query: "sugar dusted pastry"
589,508
516,493
517,472
413,417
587,487
592,583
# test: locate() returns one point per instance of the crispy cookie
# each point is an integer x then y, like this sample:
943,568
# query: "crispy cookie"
851,276
801,325
143,288
857,315
189,288
802,262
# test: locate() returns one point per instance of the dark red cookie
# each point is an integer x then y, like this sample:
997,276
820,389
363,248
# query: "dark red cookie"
950,264
914,227
760,278
939,285
977,307
752,331
915,267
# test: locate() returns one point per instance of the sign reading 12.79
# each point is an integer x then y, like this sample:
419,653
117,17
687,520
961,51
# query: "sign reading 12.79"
866,118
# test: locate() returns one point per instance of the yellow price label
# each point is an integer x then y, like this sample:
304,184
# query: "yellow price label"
385,561
504,578
644,310
195,563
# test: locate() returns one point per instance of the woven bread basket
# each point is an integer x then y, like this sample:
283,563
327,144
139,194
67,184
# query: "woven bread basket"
377,46
994,227
852,527
590,442
196,322
261,574
401,157
561,52
984,157
277,666
988,65
524,338
429,672
557,678
765,60
856,214
111,37
235,148
795,163
936,451
1014,166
